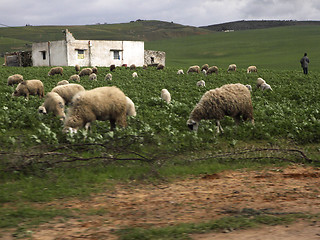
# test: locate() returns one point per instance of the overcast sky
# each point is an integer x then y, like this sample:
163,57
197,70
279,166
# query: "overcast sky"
186,12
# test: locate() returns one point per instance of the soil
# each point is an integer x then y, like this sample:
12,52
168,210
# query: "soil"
294,189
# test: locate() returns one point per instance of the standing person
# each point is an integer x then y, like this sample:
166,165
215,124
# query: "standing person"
304,63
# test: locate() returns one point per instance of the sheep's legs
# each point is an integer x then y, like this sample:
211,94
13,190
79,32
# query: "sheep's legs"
219,128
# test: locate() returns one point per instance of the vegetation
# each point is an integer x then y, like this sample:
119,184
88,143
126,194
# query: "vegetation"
39,163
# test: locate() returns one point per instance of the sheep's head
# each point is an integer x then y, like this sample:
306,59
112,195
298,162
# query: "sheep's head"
42,110
193,125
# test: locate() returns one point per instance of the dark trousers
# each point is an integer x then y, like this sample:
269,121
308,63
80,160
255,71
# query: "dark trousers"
305,70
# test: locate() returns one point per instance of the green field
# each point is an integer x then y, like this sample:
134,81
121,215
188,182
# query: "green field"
35,153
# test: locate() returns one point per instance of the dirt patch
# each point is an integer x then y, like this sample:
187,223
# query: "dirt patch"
198,199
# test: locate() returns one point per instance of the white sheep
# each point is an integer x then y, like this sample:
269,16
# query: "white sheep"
194,68
260,81
85,71
213,69
68,91
165,95
205,67
251,69
92,77
95,70
29,87
201,83
108,77
135,74
55,70
131,109
232,67
74,78
233,100
265,86
53,103
63,82
14,79
180,72
91,105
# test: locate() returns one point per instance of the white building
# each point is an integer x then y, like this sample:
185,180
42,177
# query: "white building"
70,52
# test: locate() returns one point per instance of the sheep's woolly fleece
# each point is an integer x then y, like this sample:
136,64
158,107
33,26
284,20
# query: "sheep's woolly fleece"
29,87
68,91
53,103
103,103
232,100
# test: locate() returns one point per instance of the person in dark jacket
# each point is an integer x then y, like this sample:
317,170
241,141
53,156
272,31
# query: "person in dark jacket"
304,63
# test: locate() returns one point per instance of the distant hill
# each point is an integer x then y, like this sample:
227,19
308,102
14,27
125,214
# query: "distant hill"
256,24
21,38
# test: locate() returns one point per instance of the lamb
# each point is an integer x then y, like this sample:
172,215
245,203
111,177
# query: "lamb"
233,100
68,91
131,110
92,77
180,71
260,81
14,79
74,78
251,69
77,68
265,86
53,103
213,69
201,83
195,69
205,67
165,95
85,71
132,67
63,82
29,87
108,77
55,70
103,103
232,67
135,74
95,70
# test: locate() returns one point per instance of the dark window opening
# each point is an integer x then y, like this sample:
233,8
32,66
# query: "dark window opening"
152,60
44,55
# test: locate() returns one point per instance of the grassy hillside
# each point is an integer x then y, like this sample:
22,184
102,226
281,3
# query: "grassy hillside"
273,48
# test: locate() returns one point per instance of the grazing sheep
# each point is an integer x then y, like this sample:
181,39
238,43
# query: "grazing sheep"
55,70
201,83
108,77
77,68
93,76
249,87
195,69
63,82
53,103
145,66
265,86
260,81
132,67
233,100
95,70
29,87
180,71
165,95
213,69
85,71
74,78
232,67
112,67
135,74
160,66
68,91
14,79
131,109
103,103
205,67
251,69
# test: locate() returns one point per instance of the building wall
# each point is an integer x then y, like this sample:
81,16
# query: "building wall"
49,54
154,57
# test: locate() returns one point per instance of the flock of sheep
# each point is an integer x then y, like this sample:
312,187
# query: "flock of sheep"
110,103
